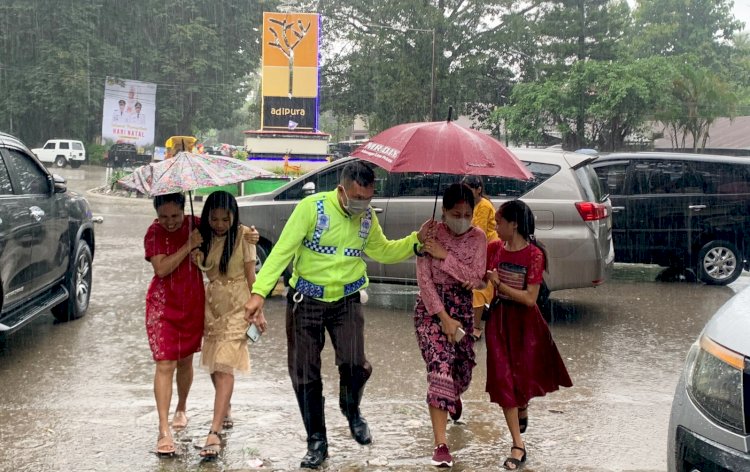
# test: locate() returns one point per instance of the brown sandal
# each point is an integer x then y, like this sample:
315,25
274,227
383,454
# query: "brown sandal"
211,451
165,445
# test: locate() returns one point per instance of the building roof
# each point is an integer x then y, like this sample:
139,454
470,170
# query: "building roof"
724,133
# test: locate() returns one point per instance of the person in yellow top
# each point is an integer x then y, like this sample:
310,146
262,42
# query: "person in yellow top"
327,235
484,219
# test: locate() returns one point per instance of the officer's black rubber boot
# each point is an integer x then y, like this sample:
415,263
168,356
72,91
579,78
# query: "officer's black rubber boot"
312,406
352,381
317,451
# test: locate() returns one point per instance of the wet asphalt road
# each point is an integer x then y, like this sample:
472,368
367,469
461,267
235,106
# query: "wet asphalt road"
78,396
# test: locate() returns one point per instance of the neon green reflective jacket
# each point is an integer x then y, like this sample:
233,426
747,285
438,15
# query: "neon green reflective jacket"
327,245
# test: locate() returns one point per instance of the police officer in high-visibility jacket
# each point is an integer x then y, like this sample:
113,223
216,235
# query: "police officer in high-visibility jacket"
327,235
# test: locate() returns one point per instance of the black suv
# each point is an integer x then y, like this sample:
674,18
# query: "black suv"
687,211
125,154
46,241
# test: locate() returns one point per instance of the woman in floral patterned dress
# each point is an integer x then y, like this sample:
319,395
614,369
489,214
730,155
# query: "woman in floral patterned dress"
454,264
174,309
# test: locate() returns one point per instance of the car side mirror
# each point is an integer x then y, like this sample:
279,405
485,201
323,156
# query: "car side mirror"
60,185
308,188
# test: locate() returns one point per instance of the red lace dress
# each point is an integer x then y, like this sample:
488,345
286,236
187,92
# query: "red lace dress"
522,359
175,303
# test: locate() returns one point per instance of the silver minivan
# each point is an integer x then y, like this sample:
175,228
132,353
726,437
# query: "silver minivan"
573,217
709,427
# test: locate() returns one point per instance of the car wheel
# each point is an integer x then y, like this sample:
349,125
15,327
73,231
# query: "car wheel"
719,263
78,283
75,164
60,161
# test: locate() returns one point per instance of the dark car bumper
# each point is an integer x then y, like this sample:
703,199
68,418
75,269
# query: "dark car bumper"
694,452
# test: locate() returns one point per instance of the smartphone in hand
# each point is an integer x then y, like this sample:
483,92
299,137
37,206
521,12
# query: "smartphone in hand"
460,333
253,333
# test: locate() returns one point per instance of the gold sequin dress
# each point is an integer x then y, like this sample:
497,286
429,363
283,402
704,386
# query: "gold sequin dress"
224,340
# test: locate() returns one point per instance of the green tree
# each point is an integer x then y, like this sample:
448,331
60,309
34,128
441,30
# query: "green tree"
56,54
698,97
700,28
385,71
616,98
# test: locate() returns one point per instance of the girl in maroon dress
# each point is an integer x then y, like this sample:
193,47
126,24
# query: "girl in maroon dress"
455,264
522,359
174,309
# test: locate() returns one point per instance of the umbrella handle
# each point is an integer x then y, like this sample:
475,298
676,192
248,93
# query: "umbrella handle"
437,193
450,113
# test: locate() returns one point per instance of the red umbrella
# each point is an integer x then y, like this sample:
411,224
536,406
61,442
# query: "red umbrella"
441,147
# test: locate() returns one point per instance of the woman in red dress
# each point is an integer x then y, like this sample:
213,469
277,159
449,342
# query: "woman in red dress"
174,309
522,359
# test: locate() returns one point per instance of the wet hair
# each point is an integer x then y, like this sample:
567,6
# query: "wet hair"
359,172
516,211
225,201
177,198
457,193
474,181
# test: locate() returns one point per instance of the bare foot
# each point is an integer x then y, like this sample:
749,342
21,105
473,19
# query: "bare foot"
180,419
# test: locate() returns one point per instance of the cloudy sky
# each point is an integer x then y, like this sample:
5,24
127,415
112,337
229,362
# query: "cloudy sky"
742,12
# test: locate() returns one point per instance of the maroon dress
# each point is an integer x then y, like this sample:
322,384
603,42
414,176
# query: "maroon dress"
174,303
522,359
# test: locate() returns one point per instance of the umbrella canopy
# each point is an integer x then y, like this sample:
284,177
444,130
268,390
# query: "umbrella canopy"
188,171
441,147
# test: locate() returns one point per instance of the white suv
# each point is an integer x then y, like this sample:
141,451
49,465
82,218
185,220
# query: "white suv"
62,152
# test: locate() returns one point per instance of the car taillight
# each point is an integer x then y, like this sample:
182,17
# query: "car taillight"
591,211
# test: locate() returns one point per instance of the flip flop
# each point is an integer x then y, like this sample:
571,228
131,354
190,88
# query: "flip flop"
165,445
180,420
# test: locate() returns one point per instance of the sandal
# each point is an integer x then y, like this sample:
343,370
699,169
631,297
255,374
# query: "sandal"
211,451
165,445
227,423
523,423
180,420
475,336
516,463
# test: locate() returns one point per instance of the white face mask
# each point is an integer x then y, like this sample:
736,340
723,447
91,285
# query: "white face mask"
458,225
355,207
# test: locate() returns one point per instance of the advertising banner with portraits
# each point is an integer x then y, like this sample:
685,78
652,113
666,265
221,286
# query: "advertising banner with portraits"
128,113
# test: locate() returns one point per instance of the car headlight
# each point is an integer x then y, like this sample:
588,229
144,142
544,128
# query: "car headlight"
714,382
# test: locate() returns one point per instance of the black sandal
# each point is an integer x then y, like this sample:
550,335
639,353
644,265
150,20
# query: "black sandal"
512,460
211,451
523,423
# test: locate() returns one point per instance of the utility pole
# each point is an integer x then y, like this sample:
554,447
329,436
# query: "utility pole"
433,88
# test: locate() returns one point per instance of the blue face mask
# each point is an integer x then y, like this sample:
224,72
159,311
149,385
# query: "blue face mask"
355,207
